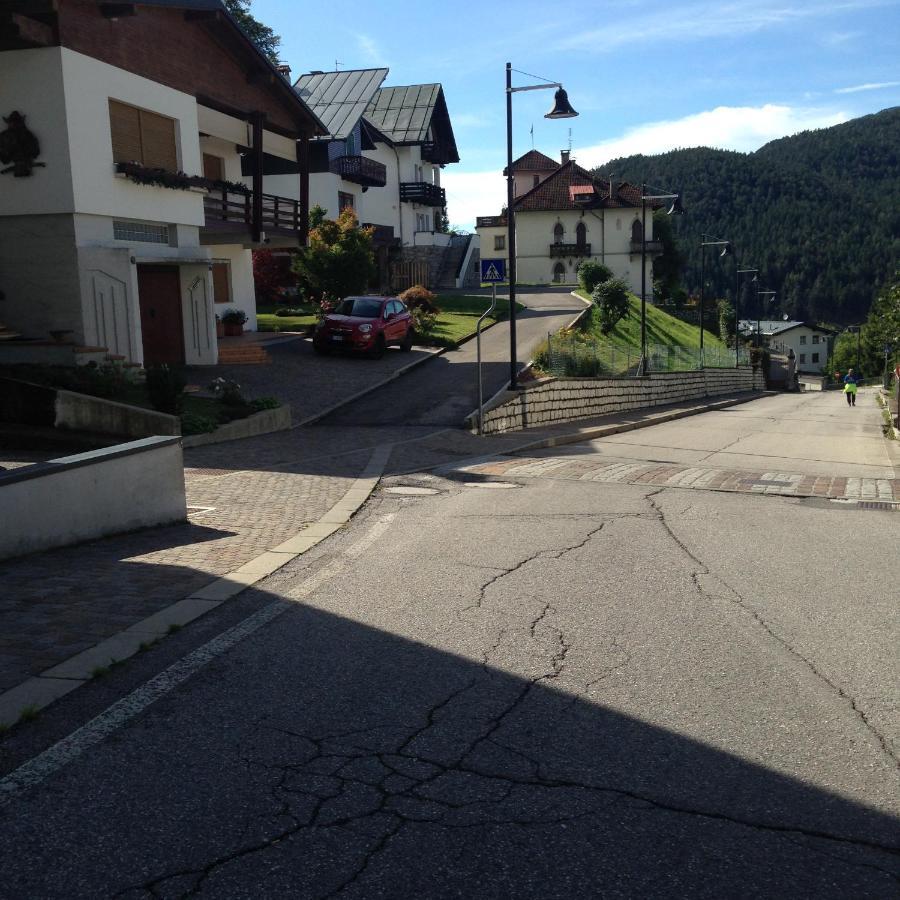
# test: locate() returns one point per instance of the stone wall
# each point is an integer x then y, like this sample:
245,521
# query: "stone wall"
557,400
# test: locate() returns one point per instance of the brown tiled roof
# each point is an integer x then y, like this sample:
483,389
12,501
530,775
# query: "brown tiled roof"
553,193
533,161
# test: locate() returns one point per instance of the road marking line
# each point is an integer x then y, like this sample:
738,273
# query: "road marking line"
375,532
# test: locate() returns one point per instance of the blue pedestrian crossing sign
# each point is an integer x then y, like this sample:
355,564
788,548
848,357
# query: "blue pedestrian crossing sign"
493,270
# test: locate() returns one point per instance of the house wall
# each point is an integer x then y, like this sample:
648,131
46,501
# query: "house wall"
381,205
31,81
243,291
804,351
524,181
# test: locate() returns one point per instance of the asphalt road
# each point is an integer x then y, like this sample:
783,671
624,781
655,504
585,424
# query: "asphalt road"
552,689
443,392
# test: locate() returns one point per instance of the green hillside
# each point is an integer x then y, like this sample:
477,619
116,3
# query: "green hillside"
818,213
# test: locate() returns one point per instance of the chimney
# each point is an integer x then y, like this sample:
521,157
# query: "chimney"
284,70
612,189
564,155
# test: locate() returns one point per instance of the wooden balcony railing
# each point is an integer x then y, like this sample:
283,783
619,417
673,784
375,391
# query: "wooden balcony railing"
360,170
422,192
570,250
224,205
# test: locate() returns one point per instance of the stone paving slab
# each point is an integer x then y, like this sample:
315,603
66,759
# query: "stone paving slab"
694,477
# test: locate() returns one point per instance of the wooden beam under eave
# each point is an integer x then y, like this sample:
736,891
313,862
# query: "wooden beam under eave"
27,30
117,10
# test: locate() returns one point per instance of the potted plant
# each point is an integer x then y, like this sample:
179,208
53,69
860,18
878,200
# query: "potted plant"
220,326
233,321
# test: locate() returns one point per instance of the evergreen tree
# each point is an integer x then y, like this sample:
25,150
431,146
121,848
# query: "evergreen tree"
261,35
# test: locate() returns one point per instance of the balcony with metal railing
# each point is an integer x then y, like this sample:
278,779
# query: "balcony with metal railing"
360,170
570,250
652,247
422,192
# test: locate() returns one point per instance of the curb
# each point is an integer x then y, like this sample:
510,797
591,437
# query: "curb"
41,690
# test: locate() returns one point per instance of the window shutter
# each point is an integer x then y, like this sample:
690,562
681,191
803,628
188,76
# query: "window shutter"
213,167
125,126
221,293
158,141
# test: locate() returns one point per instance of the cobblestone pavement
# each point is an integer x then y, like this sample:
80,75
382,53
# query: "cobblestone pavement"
60,602
579,468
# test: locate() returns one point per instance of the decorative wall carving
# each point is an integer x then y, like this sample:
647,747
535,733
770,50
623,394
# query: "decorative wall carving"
19,148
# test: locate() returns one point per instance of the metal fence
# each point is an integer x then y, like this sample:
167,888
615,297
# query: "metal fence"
571,356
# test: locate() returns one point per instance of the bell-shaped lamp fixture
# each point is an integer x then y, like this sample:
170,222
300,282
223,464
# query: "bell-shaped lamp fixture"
562,109
676,209
726,249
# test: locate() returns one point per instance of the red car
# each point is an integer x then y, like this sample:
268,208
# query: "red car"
366,324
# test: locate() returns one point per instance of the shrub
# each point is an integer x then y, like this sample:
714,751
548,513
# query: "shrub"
261,403
611,298
192,423
228,392
419,297
592,273
165,388
234,317
285,311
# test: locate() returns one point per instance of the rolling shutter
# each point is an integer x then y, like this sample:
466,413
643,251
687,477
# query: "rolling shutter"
142,137
221,291
125,124
158,142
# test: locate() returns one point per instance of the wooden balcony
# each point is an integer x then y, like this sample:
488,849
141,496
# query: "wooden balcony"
229,214
422,192
360,170
490,222
570,250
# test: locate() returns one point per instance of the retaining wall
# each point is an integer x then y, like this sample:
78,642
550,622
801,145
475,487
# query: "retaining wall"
556,400
91,495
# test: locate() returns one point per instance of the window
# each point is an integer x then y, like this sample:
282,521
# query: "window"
803,357
580,234
142,137
559,273
815,357
558,233
141,231
213,167
499,241
344,200
221,283
802,338
815,339
637,232
537,181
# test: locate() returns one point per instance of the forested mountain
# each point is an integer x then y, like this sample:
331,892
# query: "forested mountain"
818,213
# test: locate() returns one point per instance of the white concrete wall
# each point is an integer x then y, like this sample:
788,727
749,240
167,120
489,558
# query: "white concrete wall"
92,495
89,84
792,340
31,81
243,290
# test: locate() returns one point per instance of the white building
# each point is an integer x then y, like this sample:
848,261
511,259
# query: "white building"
133,229
564,216
810,343
382,156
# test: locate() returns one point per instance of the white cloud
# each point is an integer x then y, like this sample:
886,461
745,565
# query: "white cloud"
700,21
471,194
371,53
872,86
744,128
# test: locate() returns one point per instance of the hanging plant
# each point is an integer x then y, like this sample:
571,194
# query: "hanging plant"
175,180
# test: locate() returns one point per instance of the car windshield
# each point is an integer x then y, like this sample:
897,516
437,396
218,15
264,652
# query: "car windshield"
363,307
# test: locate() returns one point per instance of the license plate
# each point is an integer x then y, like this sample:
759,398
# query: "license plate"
337,337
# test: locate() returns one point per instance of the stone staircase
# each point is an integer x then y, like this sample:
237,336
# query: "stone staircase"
238,352
453,257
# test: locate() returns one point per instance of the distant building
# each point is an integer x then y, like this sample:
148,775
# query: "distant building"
811,343
565,215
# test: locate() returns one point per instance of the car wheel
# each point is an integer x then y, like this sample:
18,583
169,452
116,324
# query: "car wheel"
407,342
378,350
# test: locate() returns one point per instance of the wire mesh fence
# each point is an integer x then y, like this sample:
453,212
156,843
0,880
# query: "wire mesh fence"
570,355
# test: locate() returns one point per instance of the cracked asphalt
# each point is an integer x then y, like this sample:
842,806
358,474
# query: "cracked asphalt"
561,689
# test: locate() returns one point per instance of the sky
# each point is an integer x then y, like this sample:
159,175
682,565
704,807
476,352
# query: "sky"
645,77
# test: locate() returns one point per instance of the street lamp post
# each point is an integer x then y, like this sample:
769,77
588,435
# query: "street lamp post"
759,295
737,301
675,209
726,250
562,109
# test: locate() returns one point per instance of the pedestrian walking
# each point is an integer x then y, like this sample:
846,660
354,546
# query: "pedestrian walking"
850,383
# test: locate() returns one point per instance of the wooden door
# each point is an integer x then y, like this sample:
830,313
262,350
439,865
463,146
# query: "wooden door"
159,297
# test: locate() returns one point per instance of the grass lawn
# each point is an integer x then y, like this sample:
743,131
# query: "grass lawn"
661,329
459,316
266,320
